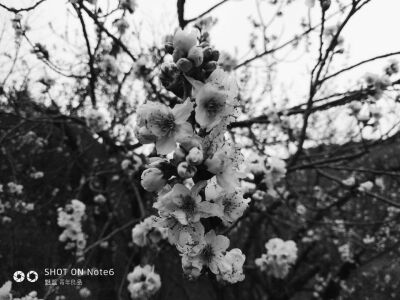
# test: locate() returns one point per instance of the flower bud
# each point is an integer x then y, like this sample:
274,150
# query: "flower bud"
179,155
196,56
215,55
185,39
325,4
186,171
153,180
169,48
355,106
207,53
195,156
184,65
210,66
177,55
169,75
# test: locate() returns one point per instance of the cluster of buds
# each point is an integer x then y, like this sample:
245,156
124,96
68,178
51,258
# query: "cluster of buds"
280,256
70,218
197,172
192,56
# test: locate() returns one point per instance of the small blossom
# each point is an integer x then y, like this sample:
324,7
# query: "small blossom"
185,170
70,218
153,180
215,99
210,253
280,256
232,205
166,124
84,292
366,186
224,168
146,232
351,181
100,199
14,188
186,205
143,282
235,260
37,175
5,291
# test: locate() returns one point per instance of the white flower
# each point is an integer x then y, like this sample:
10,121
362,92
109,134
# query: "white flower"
143,282
5,291
185,170
364,114
366,186
146,232
125,164
185,205
232,204
280,256
235,259
70,218
351,181
223,165
37,175
99,199
216,99
14,188
345,253
184,237
301,209
210,253
84,292
166,124
153,180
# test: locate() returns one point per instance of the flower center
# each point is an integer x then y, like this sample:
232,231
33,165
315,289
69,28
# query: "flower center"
207,253
188,204
166,123
213,106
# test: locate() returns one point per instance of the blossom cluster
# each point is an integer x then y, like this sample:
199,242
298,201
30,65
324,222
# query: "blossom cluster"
70,218
280,256
197,172
143,282
146,233
5,293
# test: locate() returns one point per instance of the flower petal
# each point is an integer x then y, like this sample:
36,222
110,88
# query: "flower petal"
221,243
182,111
182,131
165,145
